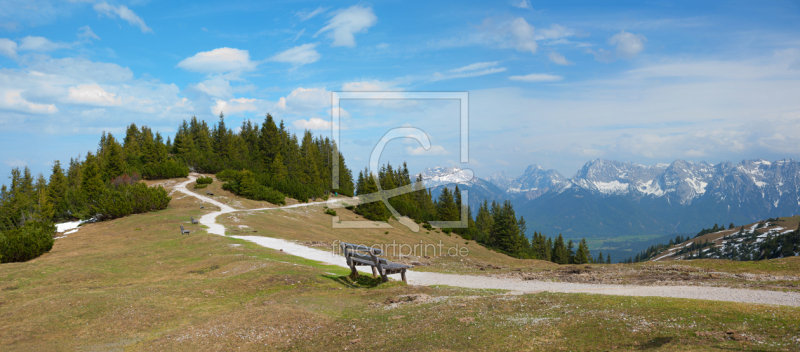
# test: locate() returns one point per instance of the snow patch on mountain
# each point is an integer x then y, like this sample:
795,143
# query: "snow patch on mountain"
439,175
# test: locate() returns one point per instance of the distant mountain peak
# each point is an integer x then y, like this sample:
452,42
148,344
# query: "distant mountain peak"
439,175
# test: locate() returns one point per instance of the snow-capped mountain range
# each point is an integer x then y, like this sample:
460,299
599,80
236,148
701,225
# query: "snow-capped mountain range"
625,197
533,183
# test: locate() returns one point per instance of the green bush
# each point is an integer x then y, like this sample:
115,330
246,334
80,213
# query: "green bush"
244,183
199,186
131,199
26,242
204,180
228,175
330,212
163,170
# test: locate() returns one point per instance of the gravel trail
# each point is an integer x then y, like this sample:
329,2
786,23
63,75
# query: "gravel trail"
517,286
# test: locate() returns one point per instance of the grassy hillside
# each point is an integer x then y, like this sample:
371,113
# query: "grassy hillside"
136,283
717,240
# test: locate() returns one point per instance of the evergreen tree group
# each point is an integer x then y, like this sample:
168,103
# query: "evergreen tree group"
278,162
495,226
105,185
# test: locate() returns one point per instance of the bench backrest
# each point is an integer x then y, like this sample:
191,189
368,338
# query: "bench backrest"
351,251
182,228
361,248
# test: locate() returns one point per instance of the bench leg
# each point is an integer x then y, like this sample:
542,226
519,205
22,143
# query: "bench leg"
384,277
374,272
403,275
353,272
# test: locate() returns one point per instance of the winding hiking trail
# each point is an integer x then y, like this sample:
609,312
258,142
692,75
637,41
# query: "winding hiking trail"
482,282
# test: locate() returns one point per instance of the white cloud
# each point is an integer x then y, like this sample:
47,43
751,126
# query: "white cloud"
215,86
476,66
14,162
299,55
40,44
299,34
80,70
13,100
66,92
434,150
517,34
627,44
92,94
522,4
86,33
306,99
367,86
345,23
536,77
221,60
558,59
307,15
472,70
602,55
342,113
235,106
8,47
555,31
313,123
122,12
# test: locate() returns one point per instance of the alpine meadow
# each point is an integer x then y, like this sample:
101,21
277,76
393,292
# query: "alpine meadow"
399,176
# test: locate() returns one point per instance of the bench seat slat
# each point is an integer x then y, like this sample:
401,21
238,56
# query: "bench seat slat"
358,261
367,257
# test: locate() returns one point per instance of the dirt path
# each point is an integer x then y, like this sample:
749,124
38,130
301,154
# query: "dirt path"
482,282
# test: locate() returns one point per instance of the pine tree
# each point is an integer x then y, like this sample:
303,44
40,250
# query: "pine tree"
278,170
114,163
92,183
44,208
571,252
375,210
582,255
57,191
269,139
446,209
560,254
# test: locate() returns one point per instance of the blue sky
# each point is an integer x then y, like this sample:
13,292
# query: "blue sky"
550,83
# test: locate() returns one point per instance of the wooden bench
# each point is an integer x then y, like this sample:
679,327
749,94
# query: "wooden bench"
193,220
358,255
184,232
209,193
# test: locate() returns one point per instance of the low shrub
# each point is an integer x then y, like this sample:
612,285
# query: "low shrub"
330,212
204,180
27,242
131,199
243,183
200,186
165,169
